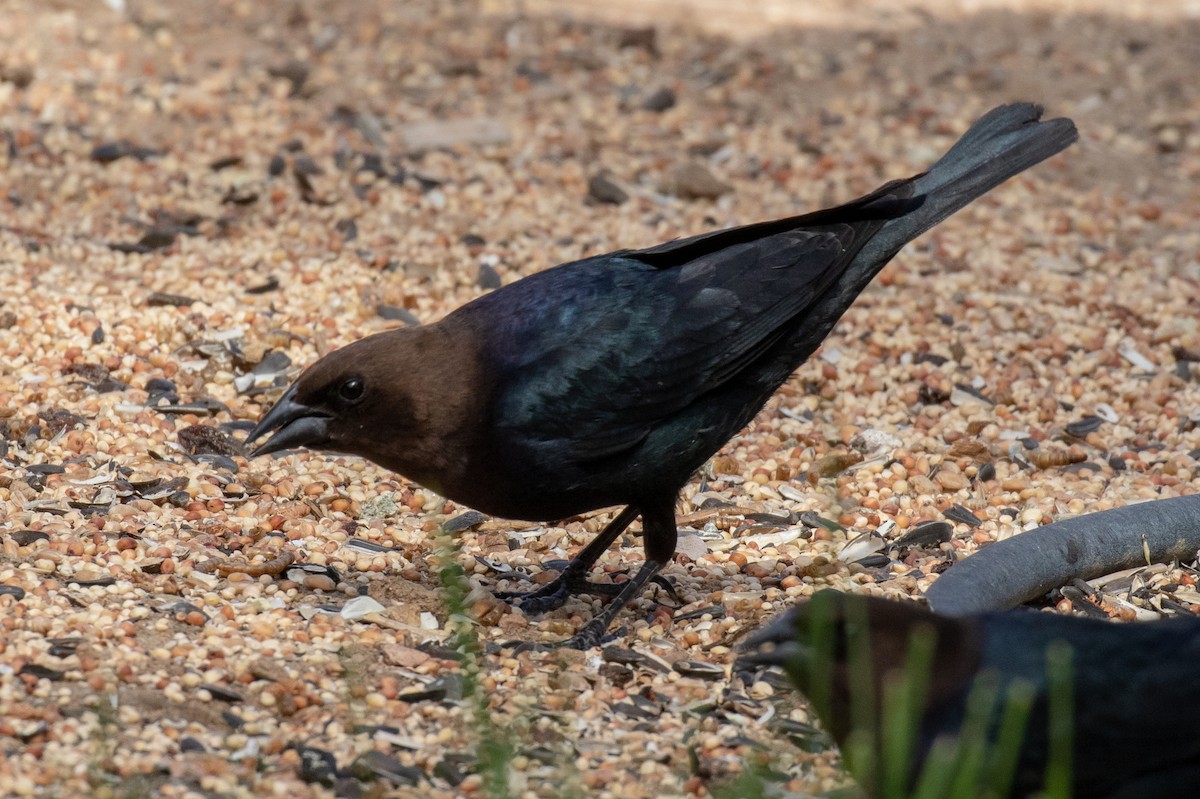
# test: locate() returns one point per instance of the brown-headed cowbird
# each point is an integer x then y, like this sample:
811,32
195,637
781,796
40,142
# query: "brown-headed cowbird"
1131,694
610,380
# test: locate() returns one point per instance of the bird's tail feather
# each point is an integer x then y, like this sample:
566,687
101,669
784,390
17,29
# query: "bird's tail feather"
1004,142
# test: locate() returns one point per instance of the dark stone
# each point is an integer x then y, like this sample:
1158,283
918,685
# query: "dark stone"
56,420
488,278
602,189
958,513
12,590
660,100
24,538
270,284
41,672
316,765
927,534
463,521
1081,427
223,694
225,163
373,765
200,439
397,314
159,298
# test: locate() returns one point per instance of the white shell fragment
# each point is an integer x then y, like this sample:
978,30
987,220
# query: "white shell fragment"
861,546
871,442
764,540
360,606
693,546
1128,350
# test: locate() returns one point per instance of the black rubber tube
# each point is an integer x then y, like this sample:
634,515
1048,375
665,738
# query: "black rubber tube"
1026,566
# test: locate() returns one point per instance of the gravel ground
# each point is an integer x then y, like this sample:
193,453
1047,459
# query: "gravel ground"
214,194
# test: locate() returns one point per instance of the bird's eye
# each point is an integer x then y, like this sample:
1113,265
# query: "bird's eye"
352,390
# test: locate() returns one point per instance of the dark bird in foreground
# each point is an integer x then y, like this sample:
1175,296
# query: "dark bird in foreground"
610,380
1132,697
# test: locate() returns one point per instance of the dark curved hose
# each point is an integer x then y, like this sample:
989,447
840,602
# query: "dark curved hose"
1026,566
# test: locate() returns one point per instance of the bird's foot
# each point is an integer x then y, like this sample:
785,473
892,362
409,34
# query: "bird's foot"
589,636
554,594
592,634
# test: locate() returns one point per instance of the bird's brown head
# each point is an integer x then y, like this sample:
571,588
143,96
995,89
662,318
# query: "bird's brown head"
398,398
829,644
374,398
330,403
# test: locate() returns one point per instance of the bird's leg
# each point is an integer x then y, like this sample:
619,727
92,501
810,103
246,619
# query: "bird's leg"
573,579
659,536
592,633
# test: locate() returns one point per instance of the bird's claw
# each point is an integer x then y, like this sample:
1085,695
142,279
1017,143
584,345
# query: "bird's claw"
535,646
588,637
667,586
540,600
555,594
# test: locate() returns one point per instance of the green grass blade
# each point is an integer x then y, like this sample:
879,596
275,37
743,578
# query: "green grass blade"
1006,751
937,773
494,750
861,748
817,671
904,699
981,704
1059,765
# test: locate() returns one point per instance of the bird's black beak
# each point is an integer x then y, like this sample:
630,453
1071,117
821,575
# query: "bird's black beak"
788,641
785,654
294,425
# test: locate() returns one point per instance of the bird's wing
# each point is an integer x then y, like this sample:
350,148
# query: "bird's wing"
600,352
889,201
